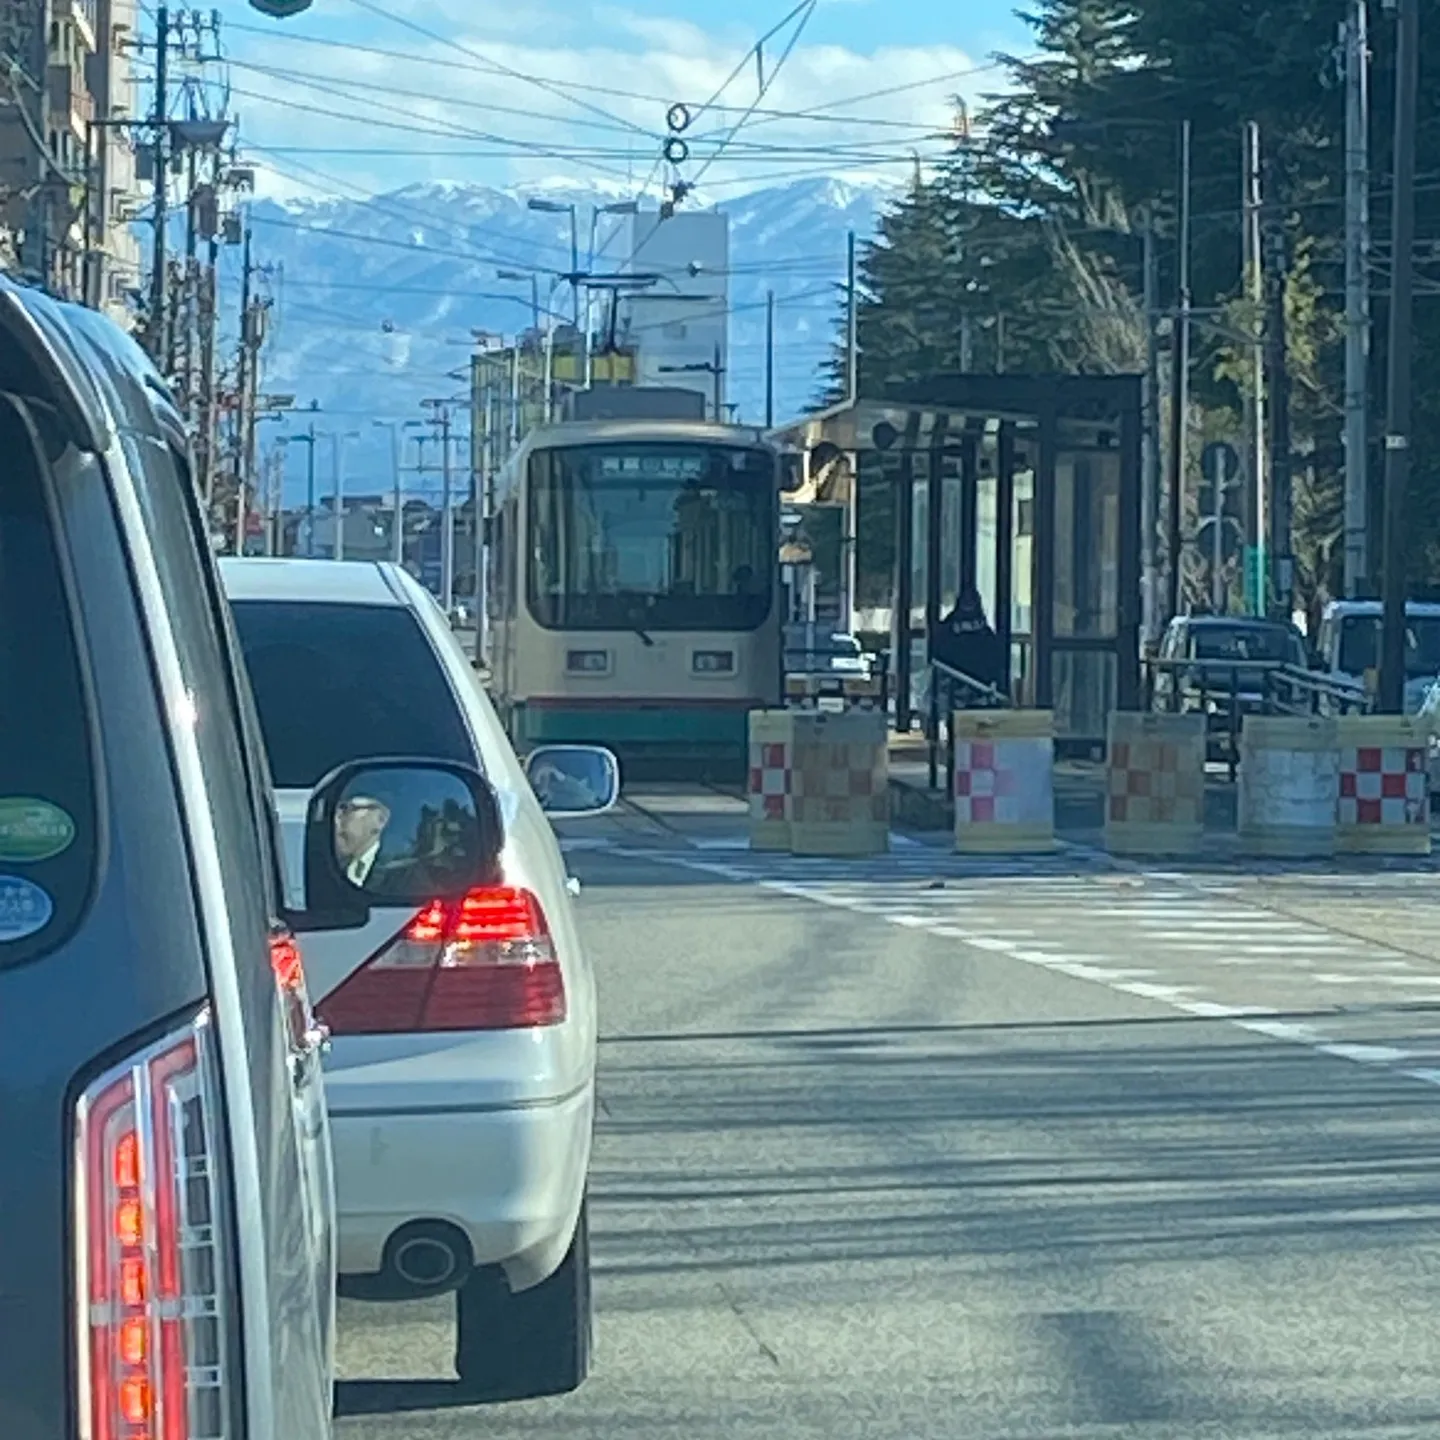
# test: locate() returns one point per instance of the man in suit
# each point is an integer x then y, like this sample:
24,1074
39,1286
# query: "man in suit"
360,821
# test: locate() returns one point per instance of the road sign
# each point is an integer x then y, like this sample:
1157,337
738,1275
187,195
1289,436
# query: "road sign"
1256,591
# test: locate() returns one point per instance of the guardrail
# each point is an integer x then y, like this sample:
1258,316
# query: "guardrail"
1225,691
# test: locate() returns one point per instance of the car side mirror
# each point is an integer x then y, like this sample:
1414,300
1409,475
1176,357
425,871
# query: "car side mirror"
402,833
574,780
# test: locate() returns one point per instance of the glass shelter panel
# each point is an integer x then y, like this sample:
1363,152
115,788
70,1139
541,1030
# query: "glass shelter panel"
1087,541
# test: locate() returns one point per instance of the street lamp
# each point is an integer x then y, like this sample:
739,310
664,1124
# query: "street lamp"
520,277
565,207
397,476
338,439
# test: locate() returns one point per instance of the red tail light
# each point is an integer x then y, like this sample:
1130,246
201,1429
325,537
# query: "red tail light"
486,962
153,1348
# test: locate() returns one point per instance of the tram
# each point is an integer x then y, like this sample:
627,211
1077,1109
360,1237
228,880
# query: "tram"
633,588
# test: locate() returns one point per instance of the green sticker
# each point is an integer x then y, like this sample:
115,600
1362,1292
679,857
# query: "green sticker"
33,829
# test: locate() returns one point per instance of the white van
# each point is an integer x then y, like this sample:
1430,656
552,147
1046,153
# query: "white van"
1348,646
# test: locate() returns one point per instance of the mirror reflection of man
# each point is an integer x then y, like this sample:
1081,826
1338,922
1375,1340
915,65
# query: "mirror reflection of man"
560,789
360,821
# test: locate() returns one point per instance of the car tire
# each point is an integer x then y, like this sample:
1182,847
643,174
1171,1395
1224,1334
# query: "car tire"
522,1346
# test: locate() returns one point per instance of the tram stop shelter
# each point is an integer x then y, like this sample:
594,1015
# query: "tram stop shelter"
1028,488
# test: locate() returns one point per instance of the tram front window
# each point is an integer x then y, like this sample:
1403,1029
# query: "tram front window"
652,537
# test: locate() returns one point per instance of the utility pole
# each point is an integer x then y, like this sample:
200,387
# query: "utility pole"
1258,509
484,499
207,324
189,386
852,324
769,359
247,390
1180,379
1401,356
337,461
1357,296
1150,440
447,506
1278,345
308,440
159,261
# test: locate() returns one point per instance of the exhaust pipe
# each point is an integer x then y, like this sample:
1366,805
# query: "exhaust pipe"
425,1258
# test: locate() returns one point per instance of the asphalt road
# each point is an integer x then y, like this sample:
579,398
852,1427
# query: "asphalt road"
913,1148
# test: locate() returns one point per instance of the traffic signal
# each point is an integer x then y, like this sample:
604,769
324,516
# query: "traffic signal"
281,9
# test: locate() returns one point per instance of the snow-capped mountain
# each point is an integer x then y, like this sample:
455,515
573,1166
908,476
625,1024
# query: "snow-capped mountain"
375,301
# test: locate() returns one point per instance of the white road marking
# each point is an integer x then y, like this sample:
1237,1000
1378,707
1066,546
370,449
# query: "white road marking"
1235,939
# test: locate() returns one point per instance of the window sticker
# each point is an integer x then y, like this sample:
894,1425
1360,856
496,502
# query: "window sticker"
33,829
25,909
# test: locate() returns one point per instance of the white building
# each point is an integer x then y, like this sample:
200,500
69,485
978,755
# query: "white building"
680,324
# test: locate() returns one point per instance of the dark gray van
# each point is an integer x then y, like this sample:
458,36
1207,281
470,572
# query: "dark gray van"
166,1211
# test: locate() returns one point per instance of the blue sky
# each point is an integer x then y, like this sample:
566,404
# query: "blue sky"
487,90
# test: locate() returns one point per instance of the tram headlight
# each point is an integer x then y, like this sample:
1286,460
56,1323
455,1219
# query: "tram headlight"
587,662
713,662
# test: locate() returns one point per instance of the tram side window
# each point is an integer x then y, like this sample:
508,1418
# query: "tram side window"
500,573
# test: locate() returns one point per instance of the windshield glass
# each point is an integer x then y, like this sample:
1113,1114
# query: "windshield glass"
652,537
336,683
1360,644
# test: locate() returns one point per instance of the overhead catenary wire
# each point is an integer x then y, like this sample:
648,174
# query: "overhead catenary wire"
496,66
820,114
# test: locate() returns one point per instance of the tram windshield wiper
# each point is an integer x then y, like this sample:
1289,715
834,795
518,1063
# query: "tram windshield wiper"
649,643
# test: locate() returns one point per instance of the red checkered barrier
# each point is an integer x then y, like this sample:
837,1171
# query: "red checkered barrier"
769,780
1385,785
769,783
839,784
1004,780
1155,796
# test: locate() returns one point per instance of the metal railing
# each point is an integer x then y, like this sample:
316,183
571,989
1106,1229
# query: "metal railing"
964,692
1225,691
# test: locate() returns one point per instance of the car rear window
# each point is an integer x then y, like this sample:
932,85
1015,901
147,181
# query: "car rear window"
1246,642
337,683
47,782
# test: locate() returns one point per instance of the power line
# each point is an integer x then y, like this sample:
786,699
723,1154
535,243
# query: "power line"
801,23
819,113
495,66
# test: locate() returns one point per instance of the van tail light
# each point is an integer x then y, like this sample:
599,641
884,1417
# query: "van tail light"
486,962
153,1347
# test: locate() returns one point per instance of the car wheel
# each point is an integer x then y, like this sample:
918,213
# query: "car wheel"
522,1346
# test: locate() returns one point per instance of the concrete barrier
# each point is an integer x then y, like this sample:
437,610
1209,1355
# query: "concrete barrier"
1289,782
1384,785
839,783
771,753
1155,792
1004,781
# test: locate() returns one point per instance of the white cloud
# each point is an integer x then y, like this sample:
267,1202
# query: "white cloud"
507,112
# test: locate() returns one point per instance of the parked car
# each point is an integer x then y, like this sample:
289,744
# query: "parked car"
462,1076
166,1214
1225,665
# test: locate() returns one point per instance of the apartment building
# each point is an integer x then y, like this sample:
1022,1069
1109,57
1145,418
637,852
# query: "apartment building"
67,172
